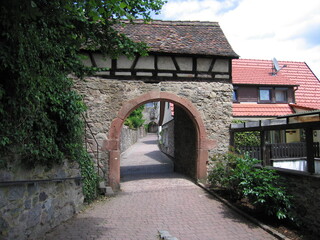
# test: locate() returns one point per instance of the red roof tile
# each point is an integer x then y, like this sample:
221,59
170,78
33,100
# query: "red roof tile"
181,37
308,92
258,110
257,72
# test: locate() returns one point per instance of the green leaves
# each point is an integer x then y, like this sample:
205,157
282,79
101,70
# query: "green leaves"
246,138
40,44
241,176
135,119
90,178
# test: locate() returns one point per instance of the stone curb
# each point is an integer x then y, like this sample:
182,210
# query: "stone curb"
250,218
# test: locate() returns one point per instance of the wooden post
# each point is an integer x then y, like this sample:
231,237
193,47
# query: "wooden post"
263,148
310,150
232,134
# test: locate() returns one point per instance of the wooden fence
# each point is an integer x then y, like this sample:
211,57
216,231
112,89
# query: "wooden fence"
253,151
281,150
287,150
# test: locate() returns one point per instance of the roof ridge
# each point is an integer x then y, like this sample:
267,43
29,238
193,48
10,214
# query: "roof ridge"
269,60
174,22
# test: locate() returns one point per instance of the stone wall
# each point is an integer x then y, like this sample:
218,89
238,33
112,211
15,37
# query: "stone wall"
130,137
167,138
305,189
31,208
212,99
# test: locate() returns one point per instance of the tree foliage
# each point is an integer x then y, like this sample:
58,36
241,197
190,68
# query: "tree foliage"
40,43
135,119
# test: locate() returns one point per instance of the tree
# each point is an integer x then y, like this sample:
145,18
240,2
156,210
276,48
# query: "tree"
135,119
40,43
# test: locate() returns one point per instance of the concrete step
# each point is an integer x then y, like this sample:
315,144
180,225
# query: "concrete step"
106,190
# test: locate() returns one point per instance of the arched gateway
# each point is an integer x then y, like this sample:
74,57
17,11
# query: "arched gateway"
189,65
203,144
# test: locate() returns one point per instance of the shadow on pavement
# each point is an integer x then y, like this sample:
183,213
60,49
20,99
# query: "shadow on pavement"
134,177
158,156
152,142
236,217
146,169
94,229
229,213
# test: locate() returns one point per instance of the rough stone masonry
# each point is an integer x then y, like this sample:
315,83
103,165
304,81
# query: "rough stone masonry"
105,98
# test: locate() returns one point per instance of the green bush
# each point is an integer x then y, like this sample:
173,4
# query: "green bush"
243,178
135,119
245,139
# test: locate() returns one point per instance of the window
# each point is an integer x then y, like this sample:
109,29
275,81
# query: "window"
281,95
235,95
265,95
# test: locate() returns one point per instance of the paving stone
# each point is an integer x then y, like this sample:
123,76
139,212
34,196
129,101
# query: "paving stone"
148,203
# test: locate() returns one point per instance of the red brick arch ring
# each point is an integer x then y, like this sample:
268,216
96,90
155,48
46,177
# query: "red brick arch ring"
112,145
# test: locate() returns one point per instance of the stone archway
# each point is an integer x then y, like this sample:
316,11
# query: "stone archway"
112,145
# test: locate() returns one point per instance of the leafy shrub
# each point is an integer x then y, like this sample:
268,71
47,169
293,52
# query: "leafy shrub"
242,178
222,174
246,139
135,119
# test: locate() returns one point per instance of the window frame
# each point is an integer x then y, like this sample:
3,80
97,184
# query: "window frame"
270,95
285,90
235,95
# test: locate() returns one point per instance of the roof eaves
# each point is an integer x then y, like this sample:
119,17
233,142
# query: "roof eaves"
312,112
257,84
302,107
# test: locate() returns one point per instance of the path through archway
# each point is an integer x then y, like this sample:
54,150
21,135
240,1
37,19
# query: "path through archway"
203,144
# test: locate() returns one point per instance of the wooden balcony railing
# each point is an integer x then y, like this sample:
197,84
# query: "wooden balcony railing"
281,150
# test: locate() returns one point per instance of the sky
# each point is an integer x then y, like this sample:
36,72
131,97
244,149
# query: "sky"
288,30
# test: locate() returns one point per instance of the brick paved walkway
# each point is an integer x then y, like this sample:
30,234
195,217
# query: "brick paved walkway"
158,201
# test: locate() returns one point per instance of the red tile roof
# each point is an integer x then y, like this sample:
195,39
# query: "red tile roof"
180,37
257,72
260,110
307,95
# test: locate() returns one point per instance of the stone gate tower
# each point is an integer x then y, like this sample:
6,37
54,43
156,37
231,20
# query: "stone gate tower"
189,65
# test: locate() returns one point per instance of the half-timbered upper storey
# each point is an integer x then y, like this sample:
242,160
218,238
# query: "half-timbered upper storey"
178,50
